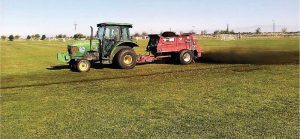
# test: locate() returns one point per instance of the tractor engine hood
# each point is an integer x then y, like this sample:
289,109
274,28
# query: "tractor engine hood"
78,48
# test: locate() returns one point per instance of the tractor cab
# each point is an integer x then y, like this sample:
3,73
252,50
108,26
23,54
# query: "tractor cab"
110,34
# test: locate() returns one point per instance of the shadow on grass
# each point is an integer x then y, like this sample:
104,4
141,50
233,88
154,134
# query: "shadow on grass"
266,57
93,66
58,67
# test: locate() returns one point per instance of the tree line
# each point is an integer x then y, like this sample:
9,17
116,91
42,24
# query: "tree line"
42,37
257,31
140,35
81,36
16,37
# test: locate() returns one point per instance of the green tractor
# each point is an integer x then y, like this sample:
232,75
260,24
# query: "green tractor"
112,44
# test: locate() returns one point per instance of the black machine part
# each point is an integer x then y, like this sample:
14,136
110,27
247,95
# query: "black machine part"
91,38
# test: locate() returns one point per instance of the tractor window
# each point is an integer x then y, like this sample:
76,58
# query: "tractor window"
125,34
100,33
112,33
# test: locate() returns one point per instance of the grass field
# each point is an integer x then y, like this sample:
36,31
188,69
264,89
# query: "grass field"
240,89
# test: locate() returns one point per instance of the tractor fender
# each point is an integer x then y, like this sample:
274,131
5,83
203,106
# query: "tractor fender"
116,50
127,43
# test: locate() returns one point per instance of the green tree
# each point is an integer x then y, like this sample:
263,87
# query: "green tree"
11,38
43,37
37,36
78,36
224,32
17,37
28,37
258,30
59,36
136,34
144,34
284,30
3,37
216,32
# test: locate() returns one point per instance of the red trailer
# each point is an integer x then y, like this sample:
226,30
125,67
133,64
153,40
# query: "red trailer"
182,48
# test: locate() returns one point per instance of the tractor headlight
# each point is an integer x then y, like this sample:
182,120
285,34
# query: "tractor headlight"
81,49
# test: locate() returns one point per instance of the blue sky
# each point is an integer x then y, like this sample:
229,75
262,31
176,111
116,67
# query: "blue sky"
53,17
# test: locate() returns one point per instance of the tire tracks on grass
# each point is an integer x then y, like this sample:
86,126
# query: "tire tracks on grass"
121,77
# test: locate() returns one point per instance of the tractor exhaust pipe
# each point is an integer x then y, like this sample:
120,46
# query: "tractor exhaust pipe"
91,37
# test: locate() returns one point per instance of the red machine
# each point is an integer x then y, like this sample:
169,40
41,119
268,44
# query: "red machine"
182,48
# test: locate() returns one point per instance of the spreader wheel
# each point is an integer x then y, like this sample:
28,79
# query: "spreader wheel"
126,59
83,65
186,57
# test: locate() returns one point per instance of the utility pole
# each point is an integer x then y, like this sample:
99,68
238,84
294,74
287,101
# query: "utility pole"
227,30
75,24
274,26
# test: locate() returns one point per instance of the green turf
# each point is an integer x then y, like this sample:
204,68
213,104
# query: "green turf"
41,98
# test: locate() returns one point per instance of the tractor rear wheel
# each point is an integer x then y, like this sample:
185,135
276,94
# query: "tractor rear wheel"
126,59
186,57
83,65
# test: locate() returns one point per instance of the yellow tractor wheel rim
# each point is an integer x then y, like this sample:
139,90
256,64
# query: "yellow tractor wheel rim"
128,59
83,66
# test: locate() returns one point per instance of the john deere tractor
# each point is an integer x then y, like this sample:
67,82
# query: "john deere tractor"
111,45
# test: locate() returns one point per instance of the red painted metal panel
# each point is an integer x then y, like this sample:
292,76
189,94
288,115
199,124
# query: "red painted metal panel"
167,45
176,44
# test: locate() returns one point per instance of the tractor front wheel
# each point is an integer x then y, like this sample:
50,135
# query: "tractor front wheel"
186,57
73,65
83,65
126,59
